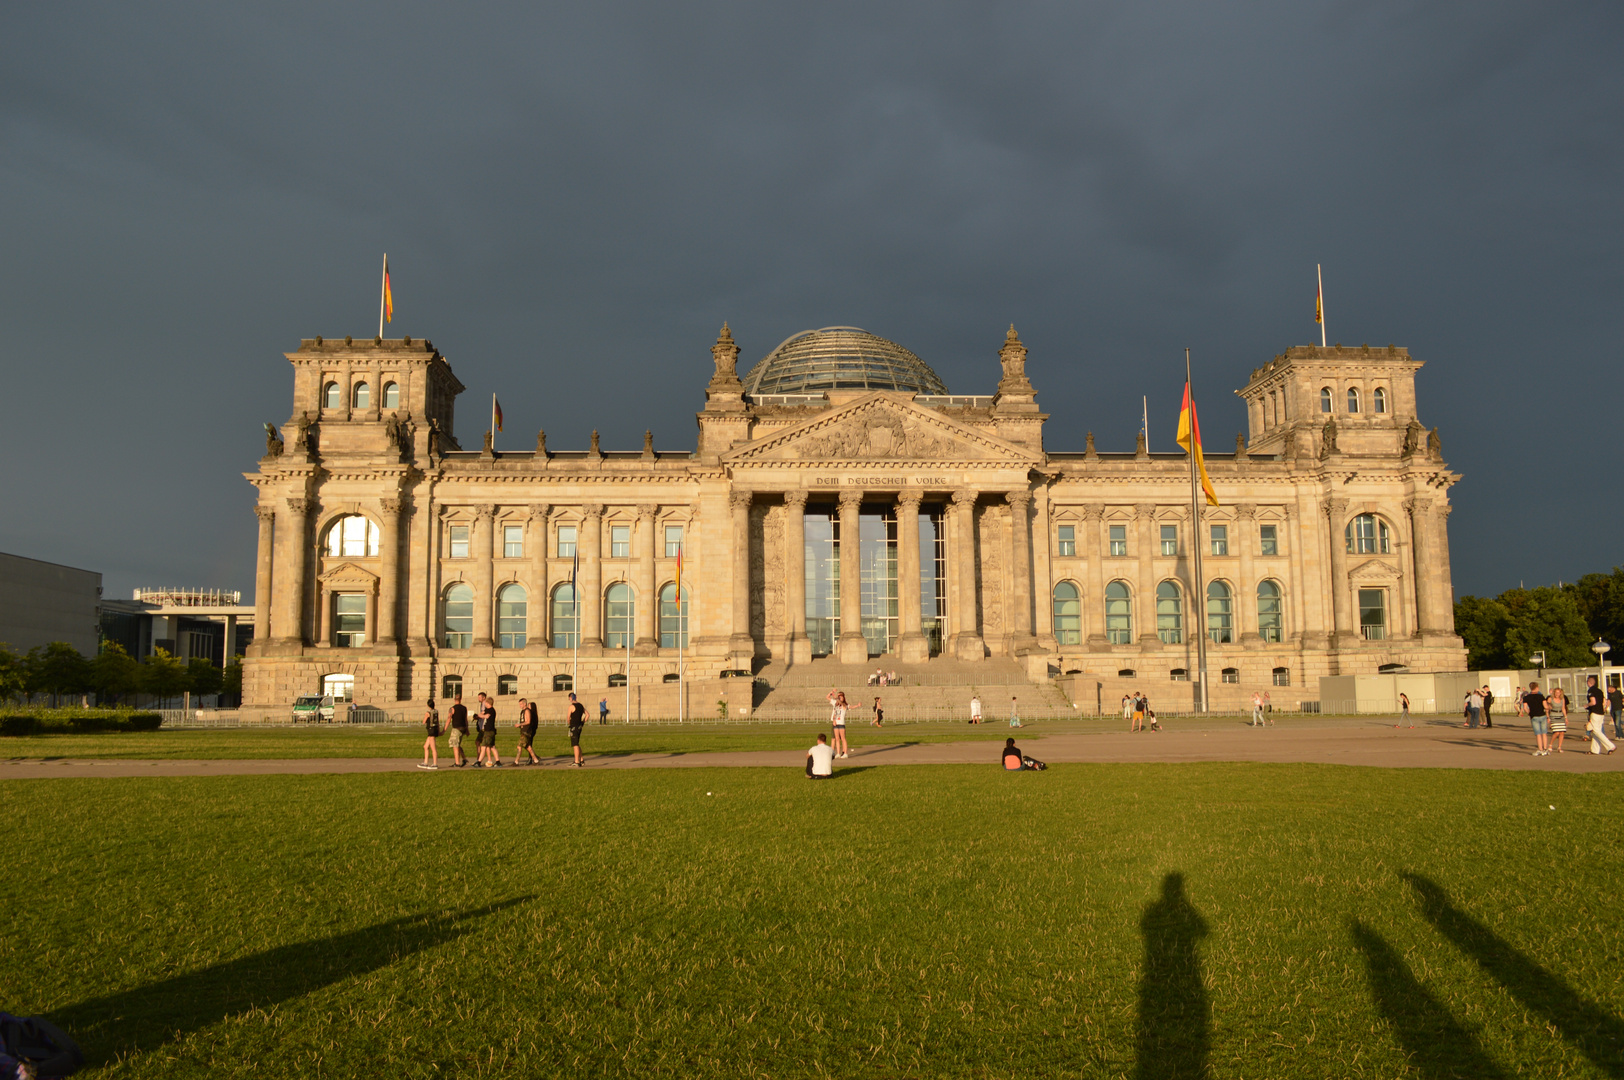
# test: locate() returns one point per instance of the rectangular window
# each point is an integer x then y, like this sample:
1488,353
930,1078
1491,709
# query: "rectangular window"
1068,540
673,541
1220,539
459,541
1282,676
1373,614
620,541
1119,539
512,541
1170,539
566,541
1271,541
350,620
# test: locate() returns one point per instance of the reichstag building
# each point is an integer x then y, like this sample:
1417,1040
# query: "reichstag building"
841,505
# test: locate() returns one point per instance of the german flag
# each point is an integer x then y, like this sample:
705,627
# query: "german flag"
388,296
1190,439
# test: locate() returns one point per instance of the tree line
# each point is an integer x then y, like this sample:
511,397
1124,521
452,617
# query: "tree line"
112,675
1560,620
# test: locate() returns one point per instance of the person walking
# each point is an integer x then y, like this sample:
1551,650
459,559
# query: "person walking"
431,737
1136,708
1404,710
1533,707
975,708
838,722
1615,704
1474,709
1268,708
459,731
1596,720
1257,709
485,726
1557,706
577,721
527,723
1014,713
603,710
879,715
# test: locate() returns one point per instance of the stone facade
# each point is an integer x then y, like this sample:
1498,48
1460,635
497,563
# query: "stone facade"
1335,507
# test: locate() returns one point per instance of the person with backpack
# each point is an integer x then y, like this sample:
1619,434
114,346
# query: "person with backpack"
879,714
459,731
527,724
577,721
431,737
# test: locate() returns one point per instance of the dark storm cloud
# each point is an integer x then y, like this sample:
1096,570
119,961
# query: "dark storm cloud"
574,199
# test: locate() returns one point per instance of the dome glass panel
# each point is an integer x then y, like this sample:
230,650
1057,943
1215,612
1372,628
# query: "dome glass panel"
840,358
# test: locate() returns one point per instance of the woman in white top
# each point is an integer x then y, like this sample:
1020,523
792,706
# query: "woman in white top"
838,720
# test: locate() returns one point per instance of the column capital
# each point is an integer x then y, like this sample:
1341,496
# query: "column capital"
485,512
1443,509
592,510
391,507
740,500
965,497
1334,508
853,499
265,513
647,511
301,506
1021,497
539,512
910,496
1093,512
796,497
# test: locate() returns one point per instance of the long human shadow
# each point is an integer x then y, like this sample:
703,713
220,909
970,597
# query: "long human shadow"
1175,1016
1433,1040
146,1017
1599,1035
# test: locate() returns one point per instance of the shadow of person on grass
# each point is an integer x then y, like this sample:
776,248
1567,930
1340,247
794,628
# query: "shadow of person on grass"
1434,1042
1598,1034
1175,1017
146,1017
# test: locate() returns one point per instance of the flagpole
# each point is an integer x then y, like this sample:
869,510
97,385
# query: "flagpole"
682,647
1200,597
1144,419
493,419
383,288
1319,274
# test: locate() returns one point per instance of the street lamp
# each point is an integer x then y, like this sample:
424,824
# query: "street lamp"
1539,658
1601,649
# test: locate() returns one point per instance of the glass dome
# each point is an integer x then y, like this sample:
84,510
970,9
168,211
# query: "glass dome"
840,358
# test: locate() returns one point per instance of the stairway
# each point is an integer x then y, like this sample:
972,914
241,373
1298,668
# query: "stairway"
939,690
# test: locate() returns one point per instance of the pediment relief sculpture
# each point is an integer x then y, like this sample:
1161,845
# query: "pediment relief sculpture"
880,431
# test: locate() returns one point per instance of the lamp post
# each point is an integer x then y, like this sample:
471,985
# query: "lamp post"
1539,658
1601,649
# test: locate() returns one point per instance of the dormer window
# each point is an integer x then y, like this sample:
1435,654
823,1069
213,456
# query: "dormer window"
1378,398
363,396
332,397
1325,399
391,395
1353,399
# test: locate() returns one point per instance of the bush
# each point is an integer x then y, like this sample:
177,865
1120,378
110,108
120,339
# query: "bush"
76,721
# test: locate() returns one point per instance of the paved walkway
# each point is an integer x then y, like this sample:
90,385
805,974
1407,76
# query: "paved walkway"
1431,745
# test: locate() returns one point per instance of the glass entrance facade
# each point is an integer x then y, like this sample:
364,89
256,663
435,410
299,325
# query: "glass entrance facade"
933,576
822,579
878,561
878,566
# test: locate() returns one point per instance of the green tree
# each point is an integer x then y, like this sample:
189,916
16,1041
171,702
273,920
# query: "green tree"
57,669
114,673
13,673
1546,618
1601,602
231,679
162,675
204,677
1482,623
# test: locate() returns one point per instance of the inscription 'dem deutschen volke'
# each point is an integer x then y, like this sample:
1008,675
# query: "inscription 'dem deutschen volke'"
880,481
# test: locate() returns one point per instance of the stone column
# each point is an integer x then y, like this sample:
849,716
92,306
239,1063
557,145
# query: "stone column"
1441,580
389,573
230,649
1245,610
647,642
1426,569
482,545
589,545
1094,600
1295,549
322,638
1020,546
1336,511
262,577
371,624
967,643
288,611
1145,602
740,644
540,602
798,647
852,647
911,645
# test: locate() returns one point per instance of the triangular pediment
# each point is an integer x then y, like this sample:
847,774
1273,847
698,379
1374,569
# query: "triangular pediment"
878,429
348,575
1374,570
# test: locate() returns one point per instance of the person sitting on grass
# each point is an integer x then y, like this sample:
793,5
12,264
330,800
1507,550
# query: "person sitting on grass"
1014,761
820,760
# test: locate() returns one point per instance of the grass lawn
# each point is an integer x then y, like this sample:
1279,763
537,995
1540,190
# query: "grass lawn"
1093,920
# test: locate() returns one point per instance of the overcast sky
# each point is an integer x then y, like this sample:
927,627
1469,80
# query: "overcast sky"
574,197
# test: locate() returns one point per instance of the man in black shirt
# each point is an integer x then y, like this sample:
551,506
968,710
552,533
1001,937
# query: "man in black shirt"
1533,704
1488,703
527,723
459,730
1615,699
577,721
488,754
1596,722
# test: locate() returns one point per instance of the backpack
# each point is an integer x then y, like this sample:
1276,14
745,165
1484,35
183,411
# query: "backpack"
37,1044
1033,763
433,724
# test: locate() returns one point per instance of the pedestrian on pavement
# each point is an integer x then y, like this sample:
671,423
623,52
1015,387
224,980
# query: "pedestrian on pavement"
1257,709
879,714
1268,708
1615,702
820,760
1474,709
603,710
577,721
1127,709
1404,709
975,708
485,724
1557,706
1137,706
1014,713
1596,721
527,723
838,721
459,731
1488,703
1150,715
1533,707
431,737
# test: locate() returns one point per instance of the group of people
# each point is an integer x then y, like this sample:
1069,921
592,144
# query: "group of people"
1262,709
1479,704
881,677
1548,716
484,732
1014,710
1137,712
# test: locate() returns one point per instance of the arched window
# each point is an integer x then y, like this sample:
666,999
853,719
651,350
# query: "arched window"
1127,673
459,617
618,610
1118,614
512,607
507,685
1068,614
1220,614
1325,399
562,683
450,686
1353,399
332,397
564,627
1270,621
674,622
391,395
1282,676
1169,613
1367,535
1378,400
1230,675
353,537
1179,674
363,396
617,679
